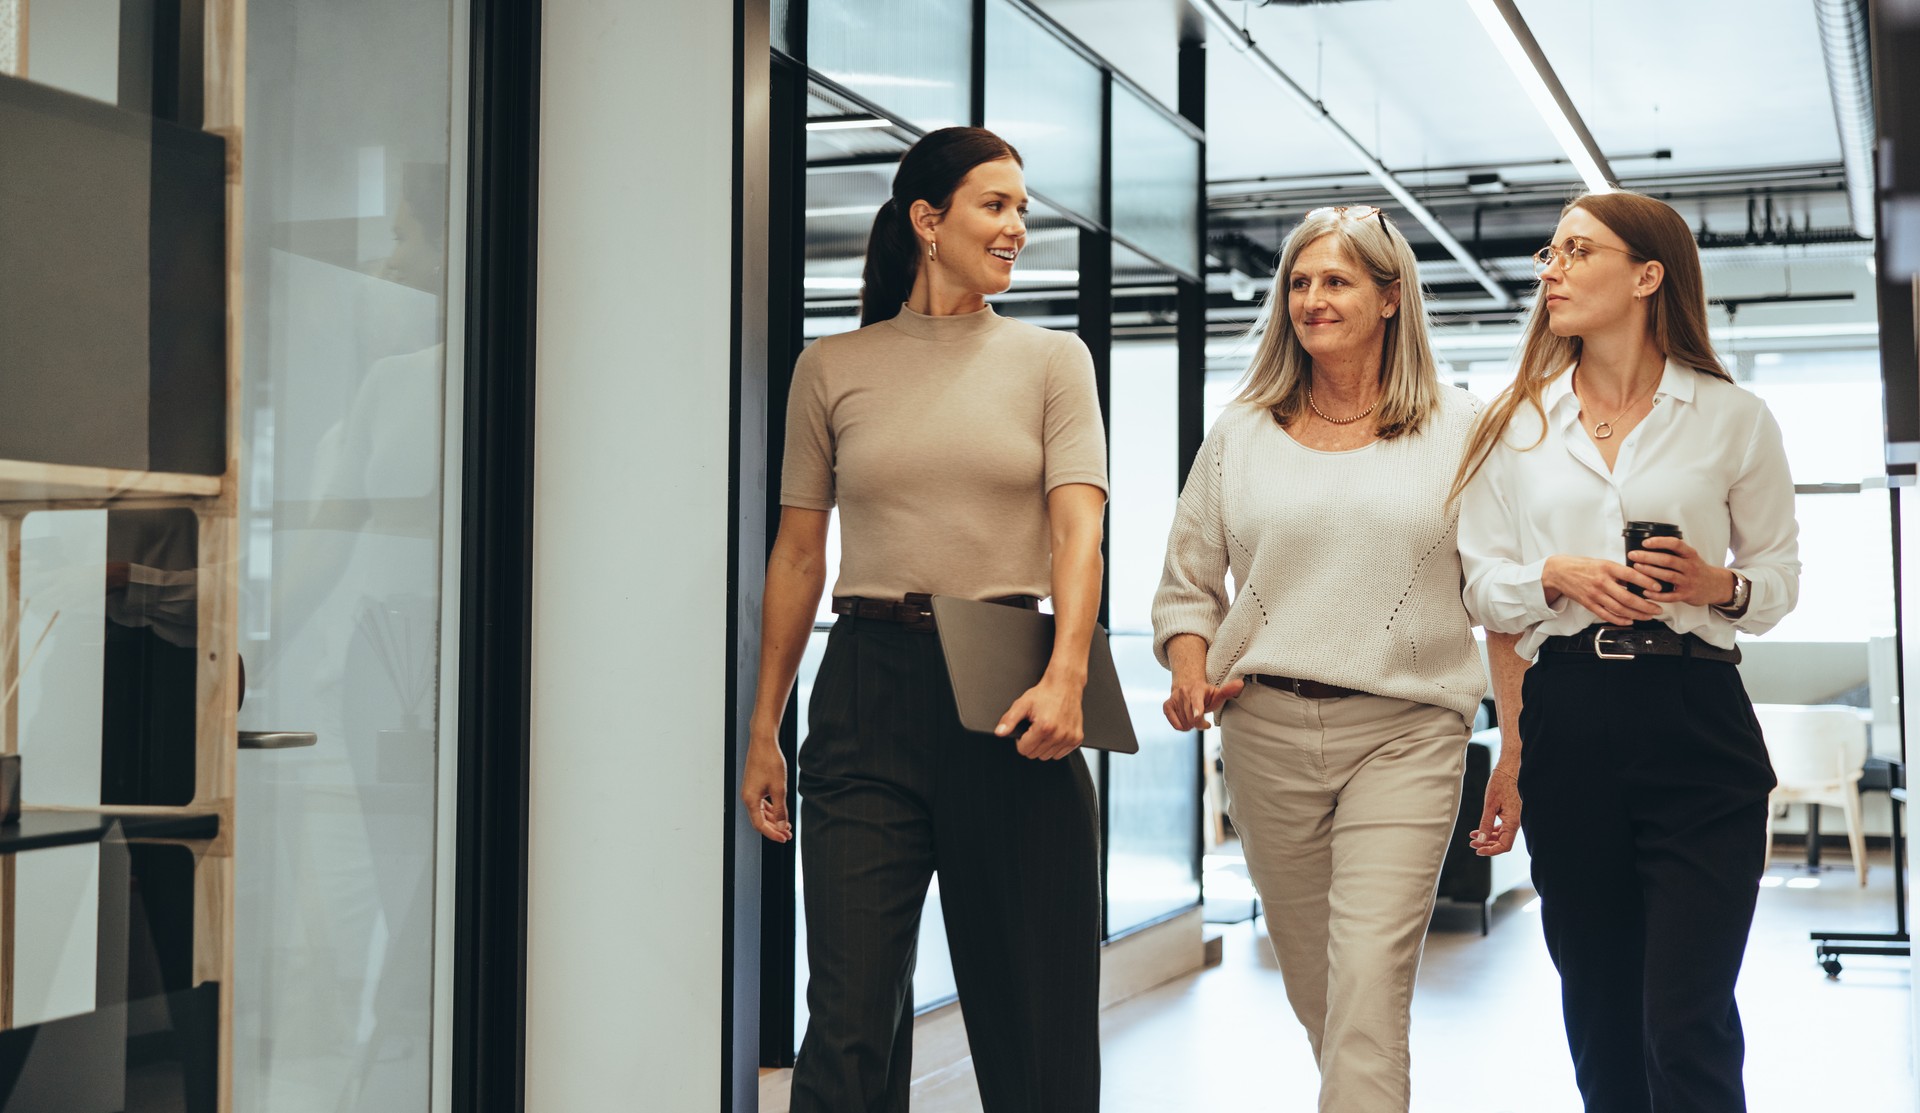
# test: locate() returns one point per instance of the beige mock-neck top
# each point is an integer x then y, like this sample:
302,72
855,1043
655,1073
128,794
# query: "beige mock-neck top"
939,438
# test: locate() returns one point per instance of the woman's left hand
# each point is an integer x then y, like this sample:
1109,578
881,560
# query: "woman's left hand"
1673,561
1051,710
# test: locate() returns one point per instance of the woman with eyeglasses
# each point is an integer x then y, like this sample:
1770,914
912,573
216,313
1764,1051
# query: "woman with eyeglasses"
1644,774
1343,665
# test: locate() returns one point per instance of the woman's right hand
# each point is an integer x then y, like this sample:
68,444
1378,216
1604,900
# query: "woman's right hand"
763,789
1601,587
1500,818
1193,699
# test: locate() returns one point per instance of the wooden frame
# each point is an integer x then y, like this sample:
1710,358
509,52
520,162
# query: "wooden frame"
27,486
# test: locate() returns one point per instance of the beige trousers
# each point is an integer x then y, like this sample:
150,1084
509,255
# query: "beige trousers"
1344,808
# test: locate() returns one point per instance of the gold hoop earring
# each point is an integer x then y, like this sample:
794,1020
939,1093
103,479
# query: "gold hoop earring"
933,250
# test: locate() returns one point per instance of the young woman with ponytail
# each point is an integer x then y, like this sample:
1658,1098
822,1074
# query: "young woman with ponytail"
966,455
1644,773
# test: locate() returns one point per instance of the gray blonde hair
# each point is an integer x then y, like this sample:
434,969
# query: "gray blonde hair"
1281,370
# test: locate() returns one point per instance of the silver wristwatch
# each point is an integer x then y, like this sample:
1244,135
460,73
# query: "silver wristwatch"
1742,594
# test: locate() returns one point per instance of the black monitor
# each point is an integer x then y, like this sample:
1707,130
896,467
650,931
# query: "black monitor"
1896,102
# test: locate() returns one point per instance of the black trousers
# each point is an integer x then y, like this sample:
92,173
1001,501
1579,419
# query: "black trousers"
892,789
1645,785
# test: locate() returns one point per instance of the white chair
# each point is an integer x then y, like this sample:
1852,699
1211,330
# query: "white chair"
1818,754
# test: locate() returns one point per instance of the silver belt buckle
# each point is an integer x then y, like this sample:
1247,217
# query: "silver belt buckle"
1601,653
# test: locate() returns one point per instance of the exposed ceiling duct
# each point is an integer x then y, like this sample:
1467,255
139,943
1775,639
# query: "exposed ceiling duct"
1243,42
1843,37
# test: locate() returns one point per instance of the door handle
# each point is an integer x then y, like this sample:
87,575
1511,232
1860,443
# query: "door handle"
277,739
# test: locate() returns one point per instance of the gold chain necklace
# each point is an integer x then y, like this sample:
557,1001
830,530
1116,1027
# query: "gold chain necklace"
1604,429
1338,420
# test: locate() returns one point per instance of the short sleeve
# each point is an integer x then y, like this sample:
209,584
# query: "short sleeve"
806,473
1075,441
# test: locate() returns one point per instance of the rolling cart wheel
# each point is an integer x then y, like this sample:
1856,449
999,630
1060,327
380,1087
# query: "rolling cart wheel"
1832,967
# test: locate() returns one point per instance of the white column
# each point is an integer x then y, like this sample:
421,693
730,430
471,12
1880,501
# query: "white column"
628,804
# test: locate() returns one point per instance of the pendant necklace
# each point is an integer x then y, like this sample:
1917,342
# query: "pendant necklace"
1604,429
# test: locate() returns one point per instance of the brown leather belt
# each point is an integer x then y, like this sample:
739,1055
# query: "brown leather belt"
1306,689
1624,643
915,610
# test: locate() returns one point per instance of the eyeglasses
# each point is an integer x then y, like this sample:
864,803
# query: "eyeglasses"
1575,250
1352,212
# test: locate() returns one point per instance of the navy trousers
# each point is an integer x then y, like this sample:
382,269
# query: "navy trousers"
1645,785
894,789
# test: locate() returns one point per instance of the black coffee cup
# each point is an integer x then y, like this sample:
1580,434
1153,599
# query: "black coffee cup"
1636,534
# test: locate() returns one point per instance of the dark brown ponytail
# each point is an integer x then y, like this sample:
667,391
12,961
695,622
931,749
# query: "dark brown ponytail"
930,171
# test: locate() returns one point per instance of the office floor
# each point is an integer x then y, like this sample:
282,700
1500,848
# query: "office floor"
1487,1036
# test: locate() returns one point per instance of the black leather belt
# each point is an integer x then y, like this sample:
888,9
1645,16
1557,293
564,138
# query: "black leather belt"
1306,689
915,610
1624,643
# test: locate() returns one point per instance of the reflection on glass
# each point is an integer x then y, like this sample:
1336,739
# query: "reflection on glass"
149,669
1045,99
347,216
910,57
1156,182
1145,477
1152,797
1153,801
782,30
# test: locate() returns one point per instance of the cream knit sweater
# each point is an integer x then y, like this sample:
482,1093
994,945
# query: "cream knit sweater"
1345,562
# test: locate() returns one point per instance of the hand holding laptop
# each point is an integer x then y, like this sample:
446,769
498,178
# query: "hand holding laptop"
997,661
1051,709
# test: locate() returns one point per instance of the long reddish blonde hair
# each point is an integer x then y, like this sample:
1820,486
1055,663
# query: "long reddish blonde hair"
1676,318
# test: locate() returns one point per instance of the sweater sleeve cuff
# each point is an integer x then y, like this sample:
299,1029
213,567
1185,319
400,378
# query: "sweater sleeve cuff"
1167,627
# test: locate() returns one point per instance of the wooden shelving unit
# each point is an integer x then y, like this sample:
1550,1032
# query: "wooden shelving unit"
65,486
205,826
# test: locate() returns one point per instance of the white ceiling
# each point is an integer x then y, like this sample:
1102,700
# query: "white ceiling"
1722,83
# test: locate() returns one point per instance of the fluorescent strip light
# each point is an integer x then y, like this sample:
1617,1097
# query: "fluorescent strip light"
1523,56
847,123
1045,276
832,283
842,210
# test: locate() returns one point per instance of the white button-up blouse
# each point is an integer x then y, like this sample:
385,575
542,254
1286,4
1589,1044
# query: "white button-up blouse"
1708,458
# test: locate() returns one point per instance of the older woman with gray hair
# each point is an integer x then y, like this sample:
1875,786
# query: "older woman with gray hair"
1342,664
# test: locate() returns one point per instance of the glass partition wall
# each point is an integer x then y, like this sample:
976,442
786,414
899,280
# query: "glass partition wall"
1104,271
255,929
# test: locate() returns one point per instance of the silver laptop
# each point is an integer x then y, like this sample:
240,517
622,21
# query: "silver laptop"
995,653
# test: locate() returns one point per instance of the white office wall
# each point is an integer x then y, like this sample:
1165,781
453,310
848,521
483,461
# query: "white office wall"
630,556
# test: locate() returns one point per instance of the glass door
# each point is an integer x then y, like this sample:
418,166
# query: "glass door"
343,524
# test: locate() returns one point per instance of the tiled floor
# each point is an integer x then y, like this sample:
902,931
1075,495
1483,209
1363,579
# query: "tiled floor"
1487,1036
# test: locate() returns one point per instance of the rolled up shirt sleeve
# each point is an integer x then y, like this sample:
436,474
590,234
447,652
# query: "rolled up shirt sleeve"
1763,535
1503,591
1192,598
